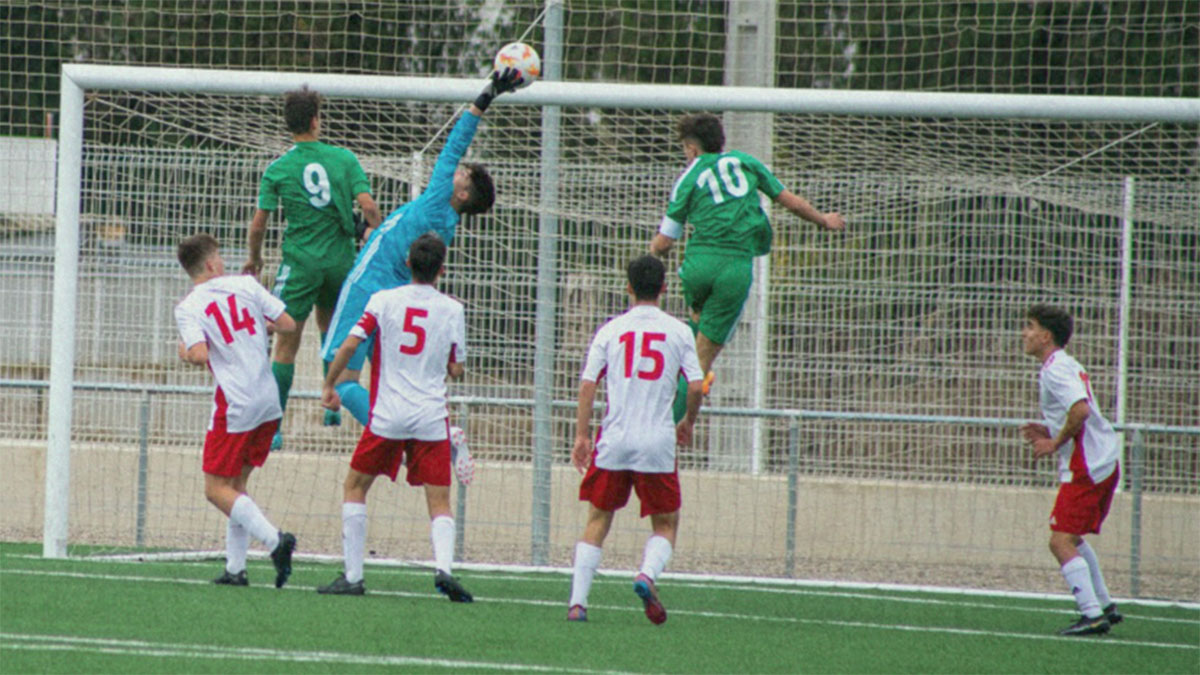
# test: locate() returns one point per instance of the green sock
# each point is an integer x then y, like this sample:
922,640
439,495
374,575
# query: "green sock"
283,377
680,408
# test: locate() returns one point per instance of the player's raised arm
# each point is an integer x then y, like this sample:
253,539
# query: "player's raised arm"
801,207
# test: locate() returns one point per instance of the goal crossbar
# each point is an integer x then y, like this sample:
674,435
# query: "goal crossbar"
665,97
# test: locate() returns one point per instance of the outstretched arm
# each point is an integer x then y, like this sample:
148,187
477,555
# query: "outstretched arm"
800,206
441,183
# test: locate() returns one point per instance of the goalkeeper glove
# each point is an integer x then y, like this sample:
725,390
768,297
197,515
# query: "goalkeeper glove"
502,82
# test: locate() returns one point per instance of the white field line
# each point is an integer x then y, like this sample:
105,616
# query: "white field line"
530,571
679,581
621,577
631,608
20,641
751,585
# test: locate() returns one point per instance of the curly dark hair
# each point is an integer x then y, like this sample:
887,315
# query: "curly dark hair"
483,191
1054,319
703,128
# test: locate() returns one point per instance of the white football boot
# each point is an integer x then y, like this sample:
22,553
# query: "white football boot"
460,457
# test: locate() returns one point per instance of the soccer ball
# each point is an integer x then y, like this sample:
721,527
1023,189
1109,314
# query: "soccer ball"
522,57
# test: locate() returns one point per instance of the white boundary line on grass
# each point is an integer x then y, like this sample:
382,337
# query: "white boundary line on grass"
176,650
703,578
677,612
610,576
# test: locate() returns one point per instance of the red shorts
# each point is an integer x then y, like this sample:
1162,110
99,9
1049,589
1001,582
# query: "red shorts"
225,454
1082,505
427,462
609,490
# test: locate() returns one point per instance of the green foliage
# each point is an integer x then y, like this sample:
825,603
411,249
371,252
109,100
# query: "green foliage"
1144,48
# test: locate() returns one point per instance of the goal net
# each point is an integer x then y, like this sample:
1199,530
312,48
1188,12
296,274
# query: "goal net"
956,226
902,332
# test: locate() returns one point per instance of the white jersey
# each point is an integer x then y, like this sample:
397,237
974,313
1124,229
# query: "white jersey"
420,331
1061,384
230,313
642,352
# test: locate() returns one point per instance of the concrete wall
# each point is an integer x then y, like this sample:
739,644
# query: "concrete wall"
872,531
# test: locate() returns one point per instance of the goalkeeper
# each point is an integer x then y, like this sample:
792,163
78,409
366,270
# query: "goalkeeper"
454,190
718,194
317,185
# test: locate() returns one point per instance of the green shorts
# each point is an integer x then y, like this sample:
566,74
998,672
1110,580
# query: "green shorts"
302,286
716,285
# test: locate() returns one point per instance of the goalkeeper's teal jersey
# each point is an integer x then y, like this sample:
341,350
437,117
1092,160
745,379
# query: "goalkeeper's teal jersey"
718,195
316,183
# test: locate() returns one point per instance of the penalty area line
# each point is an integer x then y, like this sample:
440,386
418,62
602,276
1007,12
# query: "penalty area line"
143,648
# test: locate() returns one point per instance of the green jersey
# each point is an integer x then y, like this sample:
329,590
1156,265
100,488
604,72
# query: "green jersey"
316,183
718,195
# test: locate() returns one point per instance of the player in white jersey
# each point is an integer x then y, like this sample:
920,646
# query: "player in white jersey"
640,354
1073,427
419,339
223,325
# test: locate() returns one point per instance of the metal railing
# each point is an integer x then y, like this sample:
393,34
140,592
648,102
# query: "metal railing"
1134,460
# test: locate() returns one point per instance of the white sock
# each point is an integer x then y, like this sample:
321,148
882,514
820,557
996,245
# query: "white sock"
587,559
246,513
354,539
237,541
656,555
1098,584
441,533
1079,580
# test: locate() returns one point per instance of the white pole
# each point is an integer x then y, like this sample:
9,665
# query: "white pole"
62,340
750,61
547,298
1123,310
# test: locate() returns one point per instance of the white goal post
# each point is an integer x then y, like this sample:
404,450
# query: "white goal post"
552,98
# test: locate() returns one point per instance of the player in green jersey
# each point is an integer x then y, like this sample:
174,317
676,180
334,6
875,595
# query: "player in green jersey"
718,194
317,185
